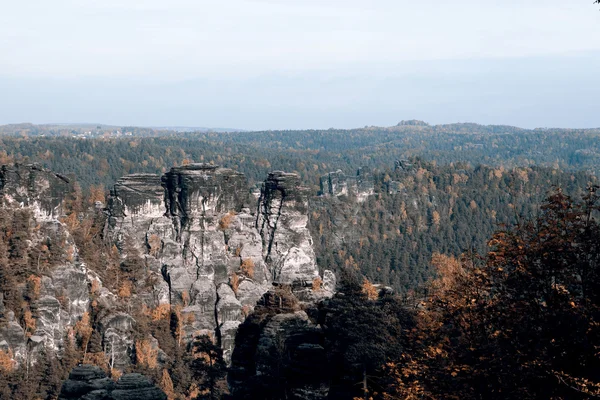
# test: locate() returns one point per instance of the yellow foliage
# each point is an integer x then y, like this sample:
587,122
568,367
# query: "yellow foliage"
96,194
448,269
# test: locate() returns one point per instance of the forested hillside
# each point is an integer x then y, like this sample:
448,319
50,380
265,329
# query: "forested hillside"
489,235
311,153
428,208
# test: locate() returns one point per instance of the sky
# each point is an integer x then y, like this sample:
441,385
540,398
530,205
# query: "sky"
296,64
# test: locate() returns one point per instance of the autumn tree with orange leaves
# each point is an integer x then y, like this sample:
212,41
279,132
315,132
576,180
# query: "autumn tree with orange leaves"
521,323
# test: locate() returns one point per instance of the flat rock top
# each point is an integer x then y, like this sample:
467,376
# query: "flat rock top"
86,372
27,183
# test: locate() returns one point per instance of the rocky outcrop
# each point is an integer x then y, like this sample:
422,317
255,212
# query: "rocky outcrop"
338,184
34,187
62,281
279,352
91,383
334,184
214,251
403,165
282,220
209,250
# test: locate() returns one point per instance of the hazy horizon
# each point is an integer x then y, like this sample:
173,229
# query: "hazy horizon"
260,64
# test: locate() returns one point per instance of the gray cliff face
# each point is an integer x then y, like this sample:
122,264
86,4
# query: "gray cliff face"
282,220
35,187
338,184
90,382
197,228
280,352
208,249
63,294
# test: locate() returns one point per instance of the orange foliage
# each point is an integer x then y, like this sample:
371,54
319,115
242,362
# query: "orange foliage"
125,289
185,297
369,290
166,384
162,312
226,220
95,286
34,285
98,359
234,281
247,268
30,322
154,242
115,374
71,221
7,364
317,283
83,329
145,354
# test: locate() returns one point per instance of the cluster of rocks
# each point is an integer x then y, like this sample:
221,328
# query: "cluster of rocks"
338,184
87,382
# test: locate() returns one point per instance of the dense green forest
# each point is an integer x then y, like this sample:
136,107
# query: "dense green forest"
310,153
503,257
448,209
466,182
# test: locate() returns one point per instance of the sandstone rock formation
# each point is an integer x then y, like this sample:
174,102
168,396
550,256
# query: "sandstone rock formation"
338,184
62,291
209,250
35,187
89,382
215,252
280,352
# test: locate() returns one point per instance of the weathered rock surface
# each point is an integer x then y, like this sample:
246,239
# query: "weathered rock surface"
87,382
338,184
209,249
34,187
334,183
63,289
279,353
214,250
282,222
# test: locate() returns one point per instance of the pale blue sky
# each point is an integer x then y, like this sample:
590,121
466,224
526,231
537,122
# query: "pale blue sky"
268,64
